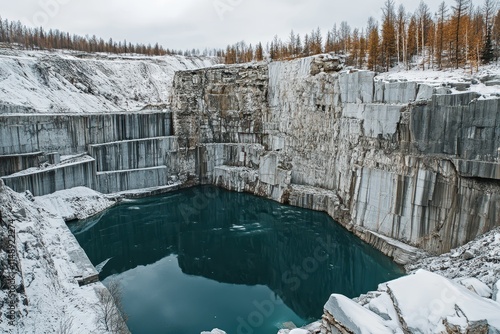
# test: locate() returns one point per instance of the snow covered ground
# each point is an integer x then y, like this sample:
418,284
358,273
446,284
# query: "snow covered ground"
63,81
485,82
45,249
456,292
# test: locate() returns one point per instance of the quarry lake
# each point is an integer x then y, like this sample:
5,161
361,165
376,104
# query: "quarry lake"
205,258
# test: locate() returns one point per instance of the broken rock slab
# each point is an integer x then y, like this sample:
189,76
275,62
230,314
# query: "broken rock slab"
424,302
435,304
496,292
475,285
346,316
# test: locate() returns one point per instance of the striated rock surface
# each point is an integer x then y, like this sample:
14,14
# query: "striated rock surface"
386,166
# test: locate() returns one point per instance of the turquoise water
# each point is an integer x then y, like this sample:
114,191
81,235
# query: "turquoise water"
206,258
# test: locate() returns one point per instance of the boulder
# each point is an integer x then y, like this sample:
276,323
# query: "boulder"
215,331
475,285
348,316
434,301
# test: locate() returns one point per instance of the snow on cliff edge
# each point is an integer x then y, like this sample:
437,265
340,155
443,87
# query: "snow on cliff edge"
485,81
53,82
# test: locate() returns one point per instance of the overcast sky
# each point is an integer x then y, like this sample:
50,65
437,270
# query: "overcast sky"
183,24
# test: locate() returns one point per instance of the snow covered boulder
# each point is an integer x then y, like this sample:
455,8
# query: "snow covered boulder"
475,285
346,316
215,331
299,331
429,303
75,203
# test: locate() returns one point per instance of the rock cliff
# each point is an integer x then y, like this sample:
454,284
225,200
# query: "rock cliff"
392,161
402,164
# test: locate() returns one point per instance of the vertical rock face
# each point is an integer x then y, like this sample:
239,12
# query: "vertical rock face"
220,105
127,151
424,173
71,133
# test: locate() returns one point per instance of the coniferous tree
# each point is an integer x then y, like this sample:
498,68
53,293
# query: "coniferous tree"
488,52
424,28
460,9
373,44
496,36
441,17
259,52
401,34
329,45
344,36
388,33
298,46
307,46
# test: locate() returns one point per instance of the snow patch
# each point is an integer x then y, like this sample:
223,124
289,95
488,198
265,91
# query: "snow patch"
75,203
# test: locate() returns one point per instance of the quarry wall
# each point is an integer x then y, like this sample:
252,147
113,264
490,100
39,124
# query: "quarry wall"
394,162
385,159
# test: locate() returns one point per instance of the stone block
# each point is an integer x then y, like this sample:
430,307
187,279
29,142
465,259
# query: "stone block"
268,169
425,92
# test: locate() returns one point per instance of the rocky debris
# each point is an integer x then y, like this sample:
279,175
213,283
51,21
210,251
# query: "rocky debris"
476,286
468,255
419,303
478,259
313,328
326,63
343,315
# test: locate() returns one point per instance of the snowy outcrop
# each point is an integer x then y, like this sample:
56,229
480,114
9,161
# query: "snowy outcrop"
420,303
54,281
75,203
458,292
344,315
55,82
